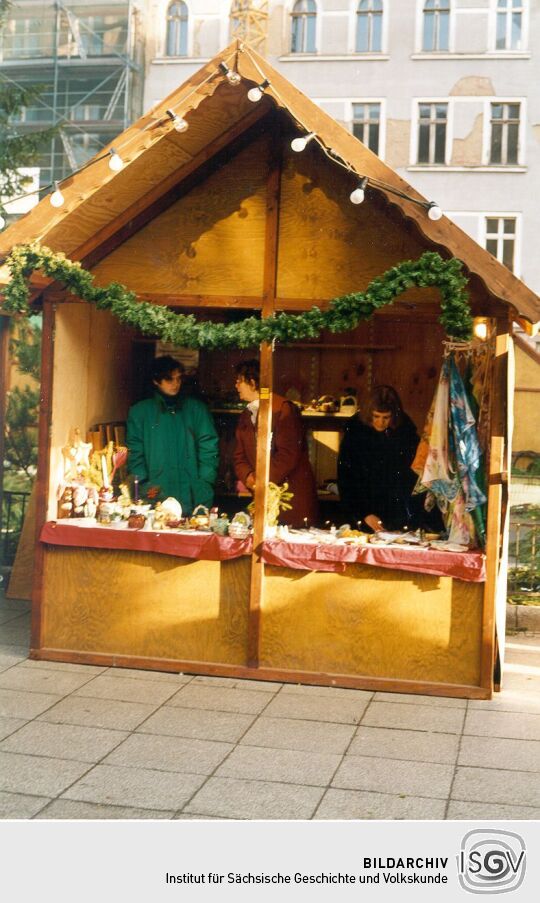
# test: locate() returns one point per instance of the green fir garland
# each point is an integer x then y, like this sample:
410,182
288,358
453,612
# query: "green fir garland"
341,315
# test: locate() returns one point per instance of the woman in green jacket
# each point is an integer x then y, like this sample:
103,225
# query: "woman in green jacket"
172,441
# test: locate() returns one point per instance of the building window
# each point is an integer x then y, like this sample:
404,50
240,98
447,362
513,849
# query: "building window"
504,145
436,25
369,26
177,29
432,122
304,25
366,124
509,25
501,239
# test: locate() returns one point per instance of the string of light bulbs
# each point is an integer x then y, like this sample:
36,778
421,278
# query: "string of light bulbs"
254,94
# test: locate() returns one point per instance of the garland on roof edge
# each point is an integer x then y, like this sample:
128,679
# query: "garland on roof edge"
342,314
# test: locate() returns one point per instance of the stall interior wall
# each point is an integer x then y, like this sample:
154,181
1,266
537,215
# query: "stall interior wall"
90,378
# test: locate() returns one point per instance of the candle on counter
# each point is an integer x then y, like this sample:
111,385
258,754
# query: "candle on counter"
105,472
136,489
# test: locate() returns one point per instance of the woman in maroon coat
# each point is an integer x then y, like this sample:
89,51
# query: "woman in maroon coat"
289,462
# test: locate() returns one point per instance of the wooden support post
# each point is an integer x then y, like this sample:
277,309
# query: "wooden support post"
496,490
44,439
264,426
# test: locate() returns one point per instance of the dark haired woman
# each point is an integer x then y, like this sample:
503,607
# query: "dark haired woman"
374,468
289,462
172,441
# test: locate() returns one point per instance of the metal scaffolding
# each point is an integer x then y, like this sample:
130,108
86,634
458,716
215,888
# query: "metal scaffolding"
84,58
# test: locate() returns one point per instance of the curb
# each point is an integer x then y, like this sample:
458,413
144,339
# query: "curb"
523,618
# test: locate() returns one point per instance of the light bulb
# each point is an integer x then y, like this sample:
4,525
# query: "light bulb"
434,211
255,94
300,144
2,221
232,77
180,124
56,198
480,328
358,195
115,161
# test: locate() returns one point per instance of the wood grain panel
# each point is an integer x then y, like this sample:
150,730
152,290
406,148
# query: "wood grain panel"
372,622
143,604
211,241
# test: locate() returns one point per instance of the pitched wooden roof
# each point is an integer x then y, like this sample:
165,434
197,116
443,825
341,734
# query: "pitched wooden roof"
99,202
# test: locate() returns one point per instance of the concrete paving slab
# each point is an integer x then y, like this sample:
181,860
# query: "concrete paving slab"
20,805
40,665
327,692
21,704
63,741
510,700
390,743
75,809
492,752
348,804
41,775
135,787
254,799
413,699
7,615
286,733
149,692
38,680
161,676
117,715
202,725
10,725
512,725
340,710
490,811
286,766
265,686
439,719
169,753
490,785
12,655
394,776
14,634
223,699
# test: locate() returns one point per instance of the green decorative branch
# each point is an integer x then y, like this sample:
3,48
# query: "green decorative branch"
341,315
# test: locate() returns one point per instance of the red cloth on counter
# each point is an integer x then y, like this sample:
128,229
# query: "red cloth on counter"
307,556
205,546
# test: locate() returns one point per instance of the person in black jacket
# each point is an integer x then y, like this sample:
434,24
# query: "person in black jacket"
374,467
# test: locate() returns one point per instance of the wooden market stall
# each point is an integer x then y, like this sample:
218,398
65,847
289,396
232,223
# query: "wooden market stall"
223,219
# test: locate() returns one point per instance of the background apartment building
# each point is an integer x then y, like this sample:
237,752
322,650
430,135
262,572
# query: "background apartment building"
445,91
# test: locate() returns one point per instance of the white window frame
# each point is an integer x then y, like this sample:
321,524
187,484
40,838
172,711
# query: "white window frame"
486,140
492,30
483,217
352,32
382,122
288,31
415,124
163,42
419,32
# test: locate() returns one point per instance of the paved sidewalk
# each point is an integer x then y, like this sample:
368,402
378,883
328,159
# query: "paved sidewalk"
83,742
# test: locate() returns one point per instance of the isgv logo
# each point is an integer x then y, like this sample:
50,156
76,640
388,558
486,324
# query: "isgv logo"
491,862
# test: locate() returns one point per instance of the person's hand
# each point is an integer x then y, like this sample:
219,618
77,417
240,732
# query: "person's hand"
373,521
250,482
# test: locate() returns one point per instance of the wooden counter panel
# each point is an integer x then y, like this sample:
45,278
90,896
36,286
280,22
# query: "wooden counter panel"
372,622
146,605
